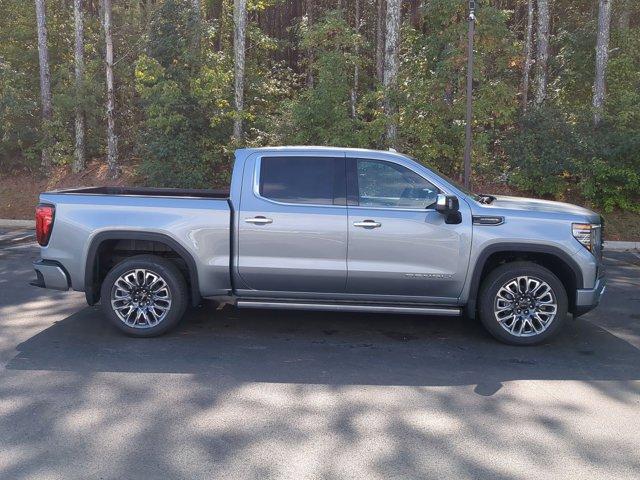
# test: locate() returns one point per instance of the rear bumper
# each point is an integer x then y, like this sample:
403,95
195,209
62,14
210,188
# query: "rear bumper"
50,274
588,298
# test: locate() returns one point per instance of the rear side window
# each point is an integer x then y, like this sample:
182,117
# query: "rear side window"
305,180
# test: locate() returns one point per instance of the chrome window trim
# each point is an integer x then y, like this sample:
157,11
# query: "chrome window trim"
391,209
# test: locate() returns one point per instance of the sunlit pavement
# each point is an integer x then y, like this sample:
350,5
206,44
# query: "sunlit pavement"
260,394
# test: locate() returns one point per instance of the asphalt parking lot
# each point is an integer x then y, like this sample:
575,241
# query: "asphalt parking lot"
261,394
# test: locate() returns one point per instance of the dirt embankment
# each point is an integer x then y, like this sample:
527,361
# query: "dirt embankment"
19,190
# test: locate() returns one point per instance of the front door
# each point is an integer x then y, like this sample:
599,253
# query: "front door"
399,246
292,225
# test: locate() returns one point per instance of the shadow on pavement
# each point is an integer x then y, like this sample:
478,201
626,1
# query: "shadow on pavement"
334,349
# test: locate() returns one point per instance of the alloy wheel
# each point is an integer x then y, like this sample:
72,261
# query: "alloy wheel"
141,298
525,306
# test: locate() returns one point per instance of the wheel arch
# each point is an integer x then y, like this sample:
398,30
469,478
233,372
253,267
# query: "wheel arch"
553,258
93,276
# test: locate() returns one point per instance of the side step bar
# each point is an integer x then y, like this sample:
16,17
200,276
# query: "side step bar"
349,307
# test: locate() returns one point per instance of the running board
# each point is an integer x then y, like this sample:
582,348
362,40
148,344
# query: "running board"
349,307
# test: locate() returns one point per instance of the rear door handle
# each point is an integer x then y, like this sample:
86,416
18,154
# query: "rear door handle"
367,224
258,220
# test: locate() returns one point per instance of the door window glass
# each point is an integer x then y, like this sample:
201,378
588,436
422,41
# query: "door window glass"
310,180
387,184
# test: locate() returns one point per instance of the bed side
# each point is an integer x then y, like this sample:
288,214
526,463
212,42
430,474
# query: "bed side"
200,225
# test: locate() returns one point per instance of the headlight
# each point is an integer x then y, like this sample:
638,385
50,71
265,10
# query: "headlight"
585,233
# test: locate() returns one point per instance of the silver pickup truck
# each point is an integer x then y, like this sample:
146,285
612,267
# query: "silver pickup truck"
331,229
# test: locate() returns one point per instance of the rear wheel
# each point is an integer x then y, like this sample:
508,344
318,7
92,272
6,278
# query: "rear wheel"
144,296
522,303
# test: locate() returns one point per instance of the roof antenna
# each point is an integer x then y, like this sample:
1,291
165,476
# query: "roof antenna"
393,150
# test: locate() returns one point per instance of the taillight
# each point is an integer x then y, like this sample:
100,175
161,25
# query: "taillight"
44,222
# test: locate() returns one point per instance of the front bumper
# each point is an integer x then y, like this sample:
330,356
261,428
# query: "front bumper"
588,298
50,274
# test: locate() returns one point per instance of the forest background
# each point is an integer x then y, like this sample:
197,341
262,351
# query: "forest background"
161,92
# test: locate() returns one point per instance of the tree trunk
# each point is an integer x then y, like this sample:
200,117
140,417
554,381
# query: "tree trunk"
625,15
542,56
391,68
602,57
380,40
197,12
45,78
112,139
79,159
356,66
240,26
309,7
527,56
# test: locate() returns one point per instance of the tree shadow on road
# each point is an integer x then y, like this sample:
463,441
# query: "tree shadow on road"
335,349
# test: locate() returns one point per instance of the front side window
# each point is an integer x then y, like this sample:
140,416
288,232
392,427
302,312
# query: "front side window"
305,180
387,184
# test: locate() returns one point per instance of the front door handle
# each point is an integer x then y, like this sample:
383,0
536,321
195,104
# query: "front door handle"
258,220
367,224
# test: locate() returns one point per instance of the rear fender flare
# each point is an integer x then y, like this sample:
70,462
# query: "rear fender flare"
92,292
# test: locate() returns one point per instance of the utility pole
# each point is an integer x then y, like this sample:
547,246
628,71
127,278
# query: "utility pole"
468,133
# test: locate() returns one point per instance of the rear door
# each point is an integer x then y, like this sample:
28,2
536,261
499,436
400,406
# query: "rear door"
399,246
292,225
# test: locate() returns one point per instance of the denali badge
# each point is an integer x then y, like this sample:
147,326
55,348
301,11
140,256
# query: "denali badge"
429,275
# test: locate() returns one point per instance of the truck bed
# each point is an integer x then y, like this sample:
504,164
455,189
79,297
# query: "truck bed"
146,192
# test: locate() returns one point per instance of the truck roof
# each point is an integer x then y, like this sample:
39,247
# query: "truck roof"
310,148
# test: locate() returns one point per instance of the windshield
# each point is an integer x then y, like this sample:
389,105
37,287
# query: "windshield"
451,181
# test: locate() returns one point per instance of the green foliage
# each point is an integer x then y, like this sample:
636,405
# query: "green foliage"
550,154
176,128
18,133
322,114
433,86
542,152
609,167
174,80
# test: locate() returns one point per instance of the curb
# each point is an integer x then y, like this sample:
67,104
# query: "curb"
17,223
621,246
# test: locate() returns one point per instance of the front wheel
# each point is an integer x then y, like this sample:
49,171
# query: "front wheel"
522,303
144,296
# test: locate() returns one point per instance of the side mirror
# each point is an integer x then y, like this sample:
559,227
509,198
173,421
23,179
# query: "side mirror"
446,204
449,206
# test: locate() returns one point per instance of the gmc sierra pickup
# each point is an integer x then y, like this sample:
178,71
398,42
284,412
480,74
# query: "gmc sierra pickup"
332,229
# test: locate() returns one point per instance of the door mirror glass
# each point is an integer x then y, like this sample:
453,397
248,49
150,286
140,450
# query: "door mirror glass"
449,206
446,204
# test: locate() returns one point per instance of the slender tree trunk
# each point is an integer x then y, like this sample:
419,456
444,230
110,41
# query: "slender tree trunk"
79,159
542,56
380,40
527,56
602,58
390,73
197,12
356,66
309,7
45,78
625,15
415,15
240,26
112,139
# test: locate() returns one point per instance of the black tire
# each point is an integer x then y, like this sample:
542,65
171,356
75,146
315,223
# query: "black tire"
488,297
174,280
